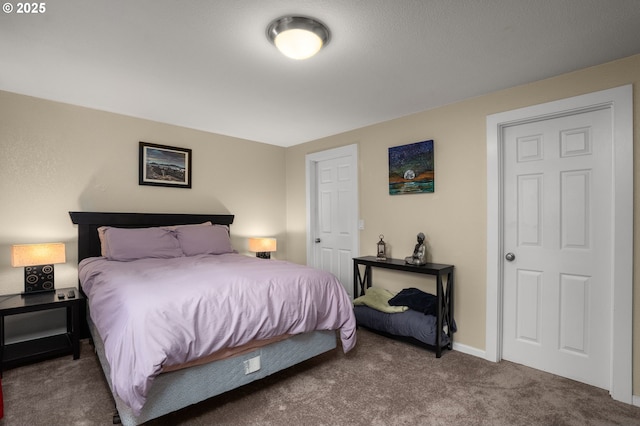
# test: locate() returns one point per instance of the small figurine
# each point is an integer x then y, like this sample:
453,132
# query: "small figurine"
419,256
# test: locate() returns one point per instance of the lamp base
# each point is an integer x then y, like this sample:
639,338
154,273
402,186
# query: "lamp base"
38,279
263,254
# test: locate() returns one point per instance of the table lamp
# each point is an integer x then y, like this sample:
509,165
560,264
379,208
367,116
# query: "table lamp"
262,246
38,261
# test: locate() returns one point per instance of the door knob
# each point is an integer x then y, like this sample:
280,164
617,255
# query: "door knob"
510,257
317,240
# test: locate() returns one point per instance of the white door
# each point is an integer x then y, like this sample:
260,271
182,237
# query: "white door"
558,245
333,212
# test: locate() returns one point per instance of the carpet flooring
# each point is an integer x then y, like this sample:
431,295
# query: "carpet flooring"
380,382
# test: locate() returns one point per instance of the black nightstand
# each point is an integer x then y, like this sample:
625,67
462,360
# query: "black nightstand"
15,354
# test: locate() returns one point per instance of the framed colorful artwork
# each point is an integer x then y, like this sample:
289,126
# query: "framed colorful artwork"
411,168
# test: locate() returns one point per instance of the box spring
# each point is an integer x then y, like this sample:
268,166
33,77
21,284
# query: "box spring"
178,389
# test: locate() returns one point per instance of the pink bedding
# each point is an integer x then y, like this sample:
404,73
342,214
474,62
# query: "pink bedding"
153,313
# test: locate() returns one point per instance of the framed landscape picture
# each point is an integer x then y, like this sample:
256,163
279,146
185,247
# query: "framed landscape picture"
162,165
411,168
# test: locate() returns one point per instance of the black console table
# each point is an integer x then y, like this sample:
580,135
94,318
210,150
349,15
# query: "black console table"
443,293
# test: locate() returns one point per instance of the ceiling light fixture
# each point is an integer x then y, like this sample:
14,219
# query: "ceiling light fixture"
298,37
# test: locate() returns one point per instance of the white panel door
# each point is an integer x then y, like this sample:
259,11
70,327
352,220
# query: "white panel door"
557,241
334,232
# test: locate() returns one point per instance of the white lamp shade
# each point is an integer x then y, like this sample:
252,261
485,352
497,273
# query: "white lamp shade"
37,254
260,245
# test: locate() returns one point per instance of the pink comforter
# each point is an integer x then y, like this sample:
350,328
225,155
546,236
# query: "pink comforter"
156,312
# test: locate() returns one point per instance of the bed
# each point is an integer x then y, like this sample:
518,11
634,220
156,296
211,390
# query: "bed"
167,350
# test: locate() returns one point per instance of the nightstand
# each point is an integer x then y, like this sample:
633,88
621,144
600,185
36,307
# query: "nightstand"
19,353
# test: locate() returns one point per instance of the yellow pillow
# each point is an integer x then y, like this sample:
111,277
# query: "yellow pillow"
378,298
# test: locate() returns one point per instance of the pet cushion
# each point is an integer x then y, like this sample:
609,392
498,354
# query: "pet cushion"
378,298
408,324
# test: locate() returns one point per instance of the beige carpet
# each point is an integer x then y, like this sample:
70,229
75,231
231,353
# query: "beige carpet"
381,382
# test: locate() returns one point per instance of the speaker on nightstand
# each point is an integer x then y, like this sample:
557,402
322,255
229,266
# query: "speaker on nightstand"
38,278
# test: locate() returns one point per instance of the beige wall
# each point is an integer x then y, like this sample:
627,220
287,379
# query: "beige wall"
454,216
56,158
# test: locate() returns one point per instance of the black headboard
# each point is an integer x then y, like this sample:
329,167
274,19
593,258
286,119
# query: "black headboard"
89,222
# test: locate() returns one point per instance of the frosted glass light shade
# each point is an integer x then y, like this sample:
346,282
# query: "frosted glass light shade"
37,254
298,44
298,37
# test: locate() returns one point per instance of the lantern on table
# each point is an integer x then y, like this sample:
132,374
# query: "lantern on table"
382,249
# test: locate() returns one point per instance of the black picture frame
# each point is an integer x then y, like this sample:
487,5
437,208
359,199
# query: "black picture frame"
163,165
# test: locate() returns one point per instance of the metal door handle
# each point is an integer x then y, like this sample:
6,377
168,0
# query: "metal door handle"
510,257
317,240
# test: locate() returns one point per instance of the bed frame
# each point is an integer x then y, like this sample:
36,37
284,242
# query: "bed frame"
178,389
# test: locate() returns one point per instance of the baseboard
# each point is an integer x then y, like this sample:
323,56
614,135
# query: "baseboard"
469,350
635,400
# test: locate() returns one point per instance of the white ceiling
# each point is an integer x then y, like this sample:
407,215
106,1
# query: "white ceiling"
208,65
